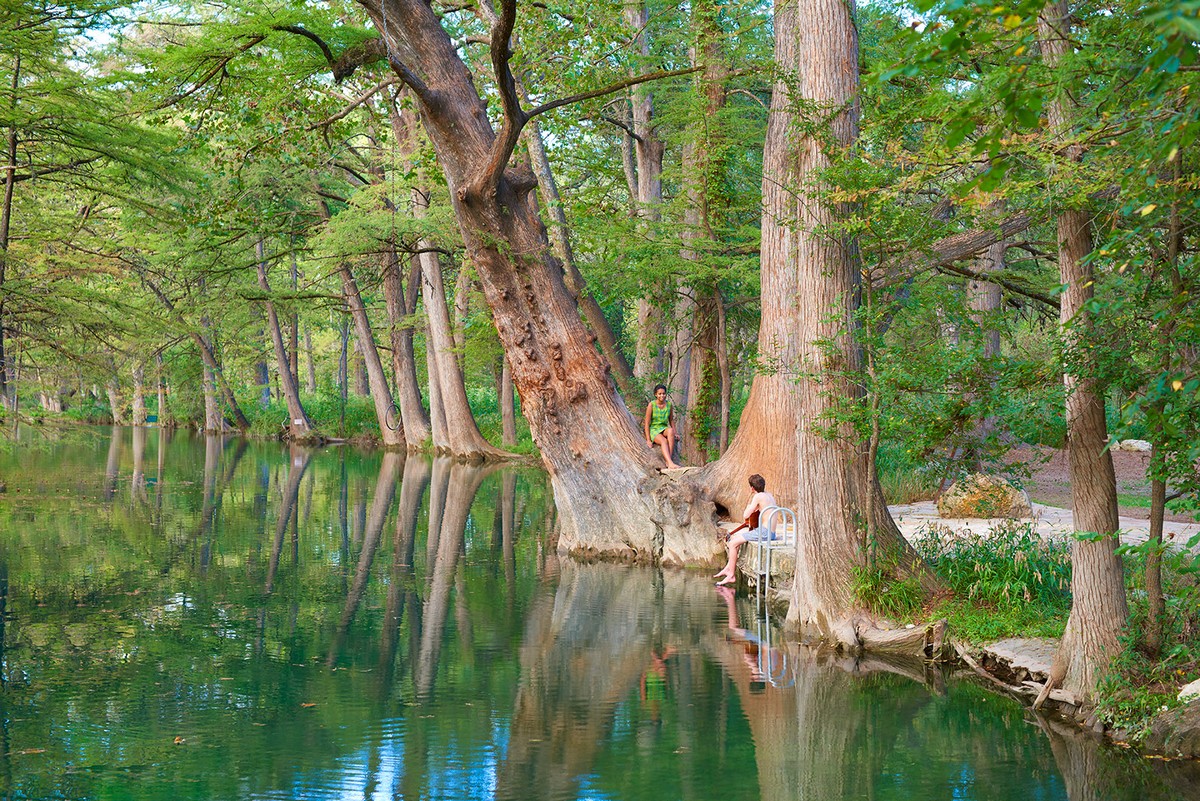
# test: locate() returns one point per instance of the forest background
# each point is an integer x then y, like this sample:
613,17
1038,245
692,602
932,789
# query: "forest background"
230,216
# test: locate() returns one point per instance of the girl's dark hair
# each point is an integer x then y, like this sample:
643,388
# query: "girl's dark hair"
663,387
758,483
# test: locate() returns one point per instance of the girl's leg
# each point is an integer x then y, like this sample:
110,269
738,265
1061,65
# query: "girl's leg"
670,432
661,439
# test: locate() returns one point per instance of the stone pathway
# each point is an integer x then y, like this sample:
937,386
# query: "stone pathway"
1050,521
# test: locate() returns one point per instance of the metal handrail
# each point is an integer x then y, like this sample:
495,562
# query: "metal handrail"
768,519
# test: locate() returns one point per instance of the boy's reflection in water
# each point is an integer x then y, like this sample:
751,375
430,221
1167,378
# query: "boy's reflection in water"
752,651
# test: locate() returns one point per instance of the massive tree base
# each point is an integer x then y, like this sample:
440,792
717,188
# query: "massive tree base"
636,515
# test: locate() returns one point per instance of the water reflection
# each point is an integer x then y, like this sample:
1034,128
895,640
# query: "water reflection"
282,622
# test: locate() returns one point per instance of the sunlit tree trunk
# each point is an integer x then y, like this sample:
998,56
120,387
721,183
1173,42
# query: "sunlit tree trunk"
508,415
1099,608
401,305
310,384
381,395
138,407
116,405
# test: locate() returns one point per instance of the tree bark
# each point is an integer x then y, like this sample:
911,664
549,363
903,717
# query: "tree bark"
1099,608
609,496
400,307
810,292
696,381
298,425
214,422
381,395
10,182
138,413
649,150
508,416
462,437
310,385
116,405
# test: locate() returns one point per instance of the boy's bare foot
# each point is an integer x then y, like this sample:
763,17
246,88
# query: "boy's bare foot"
728,582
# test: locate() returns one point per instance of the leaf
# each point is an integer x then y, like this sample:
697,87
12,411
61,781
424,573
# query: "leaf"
1147,209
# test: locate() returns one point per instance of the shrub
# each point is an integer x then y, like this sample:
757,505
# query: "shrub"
1011,567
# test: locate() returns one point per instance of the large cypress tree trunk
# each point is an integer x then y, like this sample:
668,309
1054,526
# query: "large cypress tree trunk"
298,425
696,382
606,489
1099,608
816,46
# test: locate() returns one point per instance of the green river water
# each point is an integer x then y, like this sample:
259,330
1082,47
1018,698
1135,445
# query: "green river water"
192,618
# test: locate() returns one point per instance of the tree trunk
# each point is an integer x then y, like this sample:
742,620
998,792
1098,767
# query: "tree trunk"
400,306
161,377
298,425
310,384
609,496
402,300
10,182
810,292
462,437
984,299
262,375
462,308
508,415
116,406
294,353
362,376
697,382
377,379
139,394
1099,609
214,422
649,151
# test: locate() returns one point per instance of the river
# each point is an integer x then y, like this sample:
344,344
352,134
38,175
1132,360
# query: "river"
185,617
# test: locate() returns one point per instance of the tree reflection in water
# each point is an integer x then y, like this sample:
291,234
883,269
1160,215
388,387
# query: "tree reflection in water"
334,622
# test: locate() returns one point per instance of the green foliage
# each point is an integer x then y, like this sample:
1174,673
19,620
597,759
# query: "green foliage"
1141,685
878,588
1011,567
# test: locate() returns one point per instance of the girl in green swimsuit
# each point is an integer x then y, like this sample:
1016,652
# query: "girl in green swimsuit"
659,425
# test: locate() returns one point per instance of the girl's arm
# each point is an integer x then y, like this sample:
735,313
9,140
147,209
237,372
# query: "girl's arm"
646,425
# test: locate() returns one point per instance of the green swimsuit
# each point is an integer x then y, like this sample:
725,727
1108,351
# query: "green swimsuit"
660,419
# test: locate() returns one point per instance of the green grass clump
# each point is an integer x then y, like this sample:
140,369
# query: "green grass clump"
878,588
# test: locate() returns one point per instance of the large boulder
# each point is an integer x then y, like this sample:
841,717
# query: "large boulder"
979,495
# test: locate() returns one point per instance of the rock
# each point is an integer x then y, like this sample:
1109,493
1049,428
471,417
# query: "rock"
1189,692
1133,445
979,495
1176,732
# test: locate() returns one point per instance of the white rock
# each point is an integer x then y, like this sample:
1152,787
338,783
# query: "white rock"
1190,691
1135,445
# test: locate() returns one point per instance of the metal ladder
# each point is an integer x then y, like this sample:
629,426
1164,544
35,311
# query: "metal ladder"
768,518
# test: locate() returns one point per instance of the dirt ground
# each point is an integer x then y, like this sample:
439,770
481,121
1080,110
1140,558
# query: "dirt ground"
1050,483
